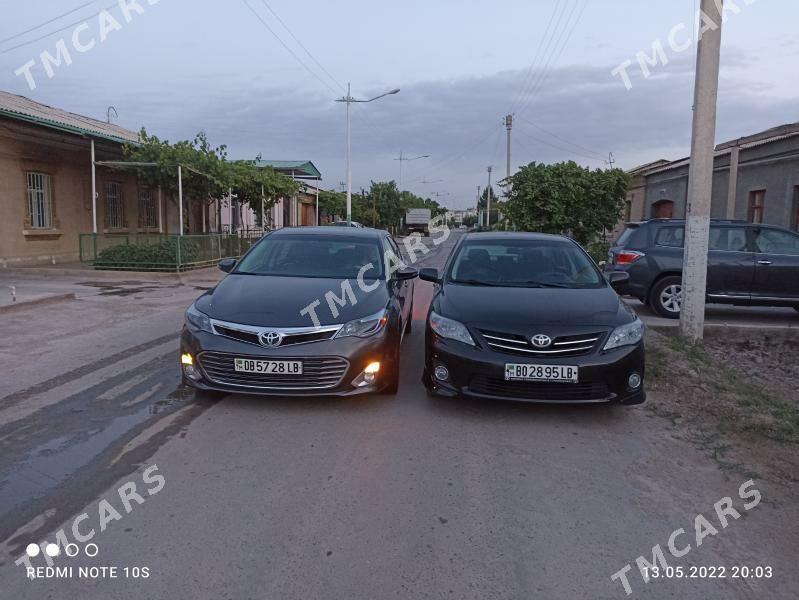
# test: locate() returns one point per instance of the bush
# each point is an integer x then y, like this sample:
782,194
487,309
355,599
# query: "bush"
156,257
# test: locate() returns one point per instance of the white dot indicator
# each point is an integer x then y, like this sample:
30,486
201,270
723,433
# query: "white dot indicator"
52,550
32,550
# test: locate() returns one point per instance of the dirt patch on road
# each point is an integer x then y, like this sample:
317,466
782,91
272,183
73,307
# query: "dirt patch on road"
737,399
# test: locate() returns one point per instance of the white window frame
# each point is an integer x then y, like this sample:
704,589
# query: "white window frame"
40,200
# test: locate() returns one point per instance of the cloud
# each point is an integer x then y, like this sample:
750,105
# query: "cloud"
578,112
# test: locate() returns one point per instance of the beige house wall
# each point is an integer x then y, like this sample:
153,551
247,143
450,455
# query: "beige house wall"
66,159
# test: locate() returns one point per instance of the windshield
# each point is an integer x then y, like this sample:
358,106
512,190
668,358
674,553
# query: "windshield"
331,257
525,263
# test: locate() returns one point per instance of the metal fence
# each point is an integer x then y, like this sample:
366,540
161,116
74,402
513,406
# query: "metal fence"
162,252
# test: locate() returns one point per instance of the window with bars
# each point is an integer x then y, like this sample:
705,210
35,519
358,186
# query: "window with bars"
40,201
757,205
148,211
114,208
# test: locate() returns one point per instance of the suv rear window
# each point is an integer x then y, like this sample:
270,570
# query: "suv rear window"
671,237
625,236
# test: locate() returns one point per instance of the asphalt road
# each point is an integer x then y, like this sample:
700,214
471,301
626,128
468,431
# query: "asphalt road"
368,497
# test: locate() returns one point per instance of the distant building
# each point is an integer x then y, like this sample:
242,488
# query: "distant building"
755,178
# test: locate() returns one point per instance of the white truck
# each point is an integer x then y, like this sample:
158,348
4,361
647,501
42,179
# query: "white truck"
418,219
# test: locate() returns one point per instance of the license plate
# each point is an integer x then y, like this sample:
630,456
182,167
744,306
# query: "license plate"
526,372
268,367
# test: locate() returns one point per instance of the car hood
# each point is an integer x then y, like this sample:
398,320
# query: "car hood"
514,307
277,301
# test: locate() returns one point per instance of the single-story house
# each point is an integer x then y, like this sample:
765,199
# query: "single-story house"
755,178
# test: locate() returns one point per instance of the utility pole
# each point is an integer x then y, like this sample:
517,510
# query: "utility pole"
488,199
402,158
700,177
479,212
509,126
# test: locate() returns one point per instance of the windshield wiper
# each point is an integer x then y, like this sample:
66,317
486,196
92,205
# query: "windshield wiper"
541,284
477,282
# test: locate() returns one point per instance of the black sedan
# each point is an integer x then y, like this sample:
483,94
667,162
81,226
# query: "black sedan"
530,317
307,311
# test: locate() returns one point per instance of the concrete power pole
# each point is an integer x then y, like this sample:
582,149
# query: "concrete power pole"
700,177
509,126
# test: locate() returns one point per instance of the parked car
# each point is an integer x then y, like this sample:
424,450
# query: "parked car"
253,333
525,316
748,264
346,224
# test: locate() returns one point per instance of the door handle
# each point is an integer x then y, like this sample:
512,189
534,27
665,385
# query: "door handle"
764,262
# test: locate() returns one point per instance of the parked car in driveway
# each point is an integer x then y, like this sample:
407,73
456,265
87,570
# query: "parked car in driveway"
253,333
524,316
748,264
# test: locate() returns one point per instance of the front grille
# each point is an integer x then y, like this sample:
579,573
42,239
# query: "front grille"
565,345
539,390
318,373
250,334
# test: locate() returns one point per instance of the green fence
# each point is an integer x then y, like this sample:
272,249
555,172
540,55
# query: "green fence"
162,252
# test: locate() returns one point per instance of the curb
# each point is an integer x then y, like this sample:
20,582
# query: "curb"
37,302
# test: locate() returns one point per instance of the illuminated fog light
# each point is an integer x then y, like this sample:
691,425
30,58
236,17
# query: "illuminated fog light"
441,372
191,372
634,381
186,359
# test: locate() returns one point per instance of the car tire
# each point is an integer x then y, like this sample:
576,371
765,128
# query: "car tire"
666,297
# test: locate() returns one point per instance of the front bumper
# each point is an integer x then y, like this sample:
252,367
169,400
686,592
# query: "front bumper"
330,366
480,373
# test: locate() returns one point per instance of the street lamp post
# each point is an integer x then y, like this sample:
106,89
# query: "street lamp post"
403,159
348,99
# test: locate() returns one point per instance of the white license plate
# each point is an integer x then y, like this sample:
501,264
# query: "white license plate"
541,373
269,367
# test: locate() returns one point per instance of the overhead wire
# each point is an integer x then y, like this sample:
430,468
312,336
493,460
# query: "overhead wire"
43,23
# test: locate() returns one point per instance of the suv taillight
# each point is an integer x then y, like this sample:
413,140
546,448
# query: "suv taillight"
627,257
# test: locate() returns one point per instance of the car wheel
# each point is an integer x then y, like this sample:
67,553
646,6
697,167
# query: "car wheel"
666,297
392,386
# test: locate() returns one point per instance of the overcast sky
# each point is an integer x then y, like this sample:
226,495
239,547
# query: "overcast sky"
189,65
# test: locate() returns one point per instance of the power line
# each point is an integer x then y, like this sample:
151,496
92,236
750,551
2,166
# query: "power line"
530,77
40,25
548,68
47,35
301,45
562,139
288,49
561,148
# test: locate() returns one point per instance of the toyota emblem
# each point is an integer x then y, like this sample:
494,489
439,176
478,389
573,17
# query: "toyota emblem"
271,339
541,341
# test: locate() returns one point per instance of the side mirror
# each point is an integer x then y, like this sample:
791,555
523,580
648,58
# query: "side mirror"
405,274
429,275
227,264
618,279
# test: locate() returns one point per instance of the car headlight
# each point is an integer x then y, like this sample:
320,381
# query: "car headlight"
364,327
196,319
626,335
450,329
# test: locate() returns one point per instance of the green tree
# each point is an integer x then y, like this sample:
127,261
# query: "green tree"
565,198
207,174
